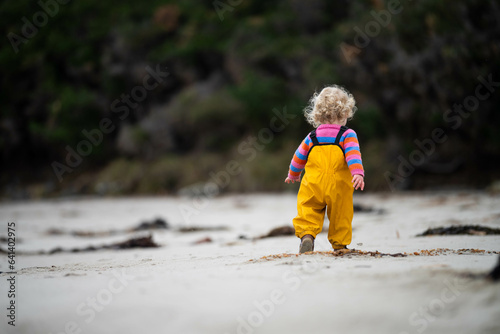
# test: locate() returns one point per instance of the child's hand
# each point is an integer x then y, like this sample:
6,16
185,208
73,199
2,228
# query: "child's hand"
288,180
358,182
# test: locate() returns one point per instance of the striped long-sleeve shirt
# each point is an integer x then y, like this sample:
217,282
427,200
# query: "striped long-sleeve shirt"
326,133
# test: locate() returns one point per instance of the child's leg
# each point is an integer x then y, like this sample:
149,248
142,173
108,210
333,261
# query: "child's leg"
340,211
340,215
311,210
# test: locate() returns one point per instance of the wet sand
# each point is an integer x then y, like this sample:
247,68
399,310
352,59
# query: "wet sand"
221,278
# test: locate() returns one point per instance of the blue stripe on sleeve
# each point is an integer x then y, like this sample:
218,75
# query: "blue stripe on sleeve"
351,134
354,161
300,156
349,149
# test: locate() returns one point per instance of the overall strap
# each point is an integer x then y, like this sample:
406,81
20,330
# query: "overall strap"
343,129
313,137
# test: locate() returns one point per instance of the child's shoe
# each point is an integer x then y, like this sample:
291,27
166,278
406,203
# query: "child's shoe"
339,248
306,244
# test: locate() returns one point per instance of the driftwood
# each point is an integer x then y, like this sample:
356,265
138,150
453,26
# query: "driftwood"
140,242
460,230
279,232
156,224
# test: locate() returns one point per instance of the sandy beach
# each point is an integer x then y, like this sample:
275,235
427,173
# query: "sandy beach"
223,279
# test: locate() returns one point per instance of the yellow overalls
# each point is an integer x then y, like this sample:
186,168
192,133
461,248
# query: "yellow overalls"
327,184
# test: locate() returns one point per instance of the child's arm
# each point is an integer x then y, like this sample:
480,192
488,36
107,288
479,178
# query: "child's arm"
299,161
353,158
352,153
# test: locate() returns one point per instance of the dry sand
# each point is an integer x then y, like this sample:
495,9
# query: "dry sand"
227,287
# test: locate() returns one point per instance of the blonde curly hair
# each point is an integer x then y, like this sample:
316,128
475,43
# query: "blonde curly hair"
332,105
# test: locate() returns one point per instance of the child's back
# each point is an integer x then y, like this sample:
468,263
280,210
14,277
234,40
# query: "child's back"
332,160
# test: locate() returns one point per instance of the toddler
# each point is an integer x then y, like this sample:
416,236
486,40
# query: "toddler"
331,157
